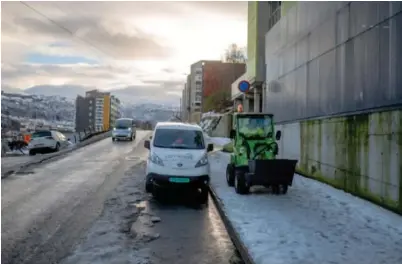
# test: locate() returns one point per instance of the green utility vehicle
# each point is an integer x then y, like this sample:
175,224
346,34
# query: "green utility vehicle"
253,161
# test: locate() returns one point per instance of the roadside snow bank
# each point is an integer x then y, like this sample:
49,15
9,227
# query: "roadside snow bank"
313,223
218,141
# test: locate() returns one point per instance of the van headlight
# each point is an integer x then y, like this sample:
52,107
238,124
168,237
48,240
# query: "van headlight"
129,129
114,129
155,159
202,162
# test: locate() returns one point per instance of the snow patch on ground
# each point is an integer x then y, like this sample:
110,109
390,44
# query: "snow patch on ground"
218,141
312,223
121,233
211,114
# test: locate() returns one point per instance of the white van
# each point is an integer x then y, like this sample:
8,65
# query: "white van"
177,159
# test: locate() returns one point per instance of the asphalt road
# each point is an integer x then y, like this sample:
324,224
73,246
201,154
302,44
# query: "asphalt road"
43,213
90,207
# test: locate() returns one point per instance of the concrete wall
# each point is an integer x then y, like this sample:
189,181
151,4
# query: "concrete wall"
217,126
361,154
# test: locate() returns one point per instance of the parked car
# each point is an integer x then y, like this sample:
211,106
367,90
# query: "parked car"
46,140
177,160
125,129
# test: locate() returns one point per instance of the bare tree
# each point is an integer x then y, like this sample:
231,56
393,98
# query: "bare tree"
235,54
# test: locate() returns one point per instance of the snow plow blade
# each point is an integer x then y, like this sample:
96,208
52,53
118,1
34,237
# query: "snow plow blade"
271,172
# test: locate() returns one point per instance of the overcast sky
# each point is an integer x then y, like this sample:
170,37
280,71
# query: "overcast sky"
146,46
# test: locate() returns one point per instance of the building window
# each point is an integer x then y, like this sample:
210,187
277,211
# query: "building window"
90,114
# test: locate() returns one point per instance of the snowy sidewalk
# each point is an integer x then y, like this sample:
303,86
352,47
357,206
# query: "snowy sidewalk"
312,223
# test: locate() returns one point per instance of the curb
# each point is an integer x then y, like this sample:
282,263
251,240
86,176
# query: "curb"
16,168
234,235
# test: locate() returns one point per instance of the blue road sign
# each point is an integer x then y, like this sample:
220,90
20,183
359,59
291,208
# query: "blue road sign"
244,86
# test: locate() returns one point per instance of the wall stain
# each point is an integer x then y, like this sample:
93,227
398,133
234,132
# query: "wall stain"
349,165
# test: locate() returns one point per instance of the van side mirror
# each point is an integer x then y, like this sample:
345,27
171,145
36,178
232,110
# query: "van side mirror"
278,135
210,147
232,134
147,144
150,137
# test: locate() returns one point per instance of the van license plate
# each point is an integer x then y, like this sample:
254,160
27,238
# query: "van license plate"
179,180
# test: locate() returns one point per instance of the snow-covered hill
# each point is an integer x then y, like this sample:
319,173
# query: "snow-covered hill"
28,109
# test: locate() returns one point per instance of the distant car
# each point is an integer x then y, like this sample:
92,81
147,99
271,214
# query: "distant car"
125,129
45,140
177,159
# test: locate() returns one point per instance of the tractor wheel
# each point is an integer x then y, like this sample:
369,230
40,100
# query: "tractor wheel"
230,175
284,189
240,183
275,189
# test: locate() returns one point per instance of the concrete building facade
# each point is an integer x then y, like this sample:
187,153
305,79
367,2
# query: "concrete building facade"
84,113
195,87
333,83
115,109
185,103
96,111
262,16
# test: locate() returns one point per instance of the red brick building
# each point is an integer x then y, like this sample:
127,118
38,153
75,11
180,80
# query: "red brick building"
217,80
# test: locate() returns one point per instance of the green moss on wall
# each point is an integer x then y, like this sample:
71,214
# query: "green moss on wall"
348,138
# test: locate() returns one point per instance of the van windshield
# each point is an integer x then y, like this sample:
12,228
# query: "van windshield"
178,139
123,124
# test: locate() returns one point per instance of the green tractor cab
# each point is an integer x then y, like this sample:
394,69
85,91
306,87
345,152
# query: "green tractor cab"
253,161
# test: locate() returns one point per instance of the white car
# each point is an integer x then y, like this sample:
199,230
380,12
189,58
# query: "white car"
177,159
43,141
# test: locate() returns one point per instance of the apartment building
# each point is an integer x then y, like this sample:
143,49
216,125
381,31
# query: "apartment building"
206,78
96,111
195,83
115,109
185,103
217,81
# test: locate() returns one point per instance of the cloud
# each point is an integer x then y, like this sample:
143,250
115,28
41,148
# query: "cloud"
138,48
98,35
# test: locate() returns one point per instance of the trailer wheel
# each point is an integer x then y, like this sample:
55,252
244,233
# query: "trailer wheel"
240,183
230,175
